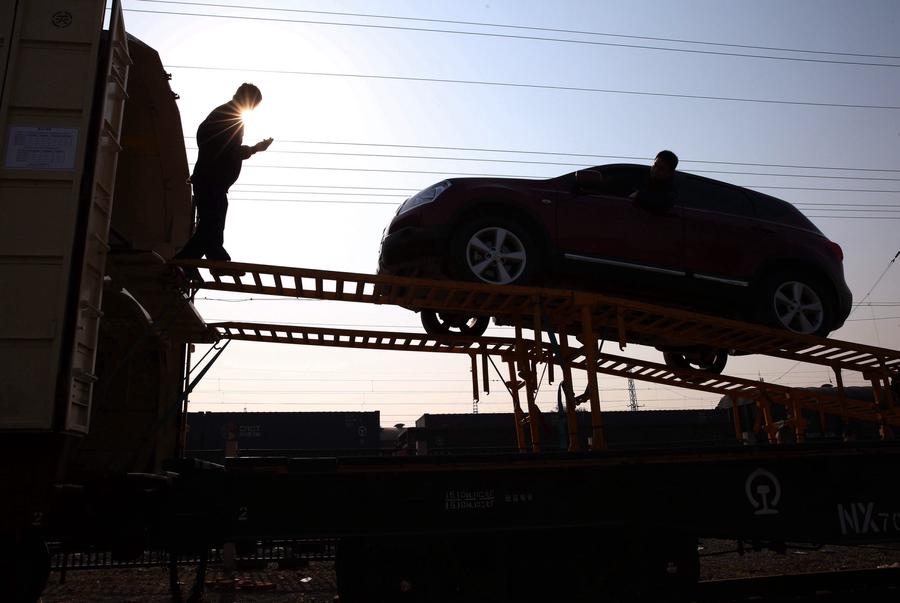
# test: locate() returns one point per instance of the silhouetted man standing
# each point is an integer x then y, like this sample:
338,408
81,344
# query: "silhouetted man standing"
218,166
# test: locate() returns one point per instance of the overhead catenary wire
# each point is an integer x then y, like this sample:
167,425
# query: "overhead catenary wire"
643,386
508,36
321,193
557,30
335,186
448,173
326,201
843,212
569,154
877,282
520,85
413,190
263,392
557,163
380,372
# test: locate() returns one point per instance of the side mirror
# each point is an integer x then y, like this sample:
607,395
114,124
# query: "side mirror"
590,181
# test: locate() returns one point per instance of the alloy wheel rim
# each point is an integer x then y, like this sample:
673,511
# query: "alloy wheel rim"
462,323
496,255
798,307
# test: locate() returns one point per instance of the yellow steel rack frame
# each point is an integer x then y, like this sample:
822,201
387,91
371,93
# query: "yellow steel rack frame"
565,313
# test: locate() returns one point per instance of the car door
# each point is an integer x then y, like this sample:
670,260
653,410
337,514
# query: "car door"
721,244
607,229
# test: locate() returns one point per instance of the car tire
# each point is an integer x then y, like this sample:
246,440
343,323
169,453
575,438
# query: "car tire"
712,361
494,250
796,302
452,323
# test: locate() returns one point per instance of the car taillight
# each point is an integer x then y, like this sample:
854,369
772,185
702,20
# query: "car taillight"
835,250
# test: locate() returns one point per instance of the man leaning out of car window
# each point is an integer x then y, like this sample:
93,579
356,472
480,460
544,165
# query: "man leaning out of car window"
658,194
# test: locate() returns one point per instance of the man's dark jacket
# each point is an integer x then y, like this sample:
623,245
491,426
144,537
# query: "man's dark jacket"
220,138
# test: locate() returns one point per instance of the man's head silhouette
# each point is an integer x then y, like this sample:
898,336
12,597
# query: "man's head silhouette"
247,97
663,169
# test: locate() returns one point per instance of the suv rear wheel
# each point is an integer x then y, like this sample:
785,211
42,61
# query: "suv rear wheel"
711,360
797,302
452,323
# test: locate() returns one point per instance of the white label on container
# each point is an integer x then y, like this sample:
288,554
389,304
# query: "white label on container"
41,148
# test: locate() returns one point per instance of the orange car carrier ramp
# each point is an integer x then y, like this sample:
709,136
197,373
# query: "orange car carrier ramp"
767,394
588,316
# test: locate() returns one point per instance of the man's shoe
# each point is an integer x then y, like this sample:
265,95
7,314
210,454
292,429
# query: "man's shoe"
220,272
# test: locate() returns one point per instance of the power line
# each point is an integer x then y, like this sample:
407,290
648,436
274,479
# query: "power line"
536,87
850,209
853,217
533,28
340,154
369,392
394,204
322,193
642,387
565,154
482,34
877,281
519,161
326,201
534,177
846,205
389,171
867,178
413,190
373,188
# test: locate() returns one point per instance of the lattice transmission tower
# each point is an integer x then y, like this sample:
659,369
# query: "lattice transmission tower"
632,395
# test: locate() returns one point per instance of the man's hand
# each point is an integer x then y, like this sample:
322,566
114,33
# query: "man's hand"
262,145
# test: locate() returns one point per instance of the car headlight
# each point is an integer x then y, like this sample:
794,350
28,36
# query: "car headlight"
426,196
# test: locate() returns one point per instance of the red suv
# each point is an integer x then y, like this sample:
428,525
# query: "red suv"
720,249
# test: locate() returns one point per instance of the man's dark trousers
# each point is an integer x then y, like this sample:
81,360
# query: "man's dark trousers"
208,239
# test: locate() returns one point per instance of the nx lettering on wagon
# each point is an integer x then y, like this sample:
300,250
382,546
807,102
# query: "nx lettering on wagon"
865,519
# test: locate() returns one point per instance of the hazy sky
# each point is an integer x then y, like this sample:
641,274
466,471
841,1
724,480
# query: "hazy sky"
344,89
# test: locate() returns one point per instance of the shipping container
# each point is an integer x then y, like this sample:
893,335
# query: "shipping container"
495,432
280,431
60,131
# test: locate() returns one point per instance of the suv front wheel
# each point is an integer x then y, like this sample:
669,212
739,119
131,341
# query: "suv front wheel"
493,250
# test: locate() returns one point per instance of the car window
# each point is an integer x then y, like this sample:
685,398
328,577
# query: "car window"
700,193
775,210
622,181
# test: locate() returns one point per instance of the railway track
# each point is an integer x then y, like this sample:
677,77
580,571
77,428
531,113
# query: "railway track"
873,585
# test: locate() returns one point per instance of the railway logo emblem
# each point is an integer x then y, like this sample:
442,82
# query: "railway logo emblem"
763,491
61,19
